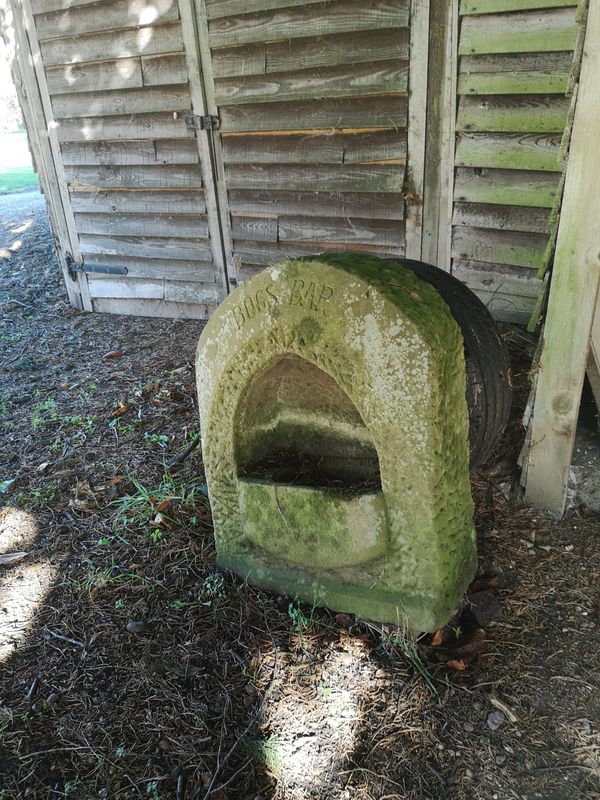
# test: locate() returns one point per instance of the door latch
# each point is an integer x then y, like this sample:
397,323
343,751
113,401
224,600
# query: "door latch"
199,123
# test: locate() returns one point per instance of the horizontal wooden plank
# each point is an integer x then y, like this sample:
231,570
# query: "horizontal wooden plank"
505,187
321,51
152,308
498,278
113,44
163,70
548,31
123,128
513,83
103,17
146,247
148,289
328,148
381,233
177,226
226,8
124,73
159,176
43,6
384,111
499,247
264,253
360,178
119,202
494,63
509,151
126,101
337,16
167,269
527,114
513,218
176,151
354,80
506,307
495,6
320,204
258,228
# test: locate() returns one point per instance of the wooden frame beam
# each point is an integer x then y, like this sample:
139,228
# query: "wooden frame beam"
573,293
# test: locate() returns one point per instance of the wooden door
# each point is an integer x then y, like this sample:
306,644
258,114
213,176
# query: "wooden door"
137,185
312,101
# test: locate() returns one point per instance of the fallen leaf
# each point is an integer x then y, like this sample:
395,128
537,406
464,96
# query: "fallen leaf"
484,582
437,638
115,480
470,646
164,504
122,409
114,354
458,664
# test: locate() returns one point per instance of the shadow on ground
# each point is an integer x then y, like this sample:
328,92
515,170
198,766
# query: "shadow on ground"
129,667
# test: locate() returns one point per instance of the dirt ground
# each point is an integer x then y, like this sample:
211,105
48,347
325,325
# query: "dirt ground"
131,668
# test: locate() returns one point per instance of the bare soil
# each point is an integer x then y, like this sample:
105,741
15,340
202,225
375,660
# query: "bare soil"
131,668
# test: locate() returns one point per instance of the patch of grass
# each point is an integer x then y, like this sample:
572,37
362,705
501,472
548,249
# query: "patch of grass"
405,642
268,752
38,498
44,412
16,169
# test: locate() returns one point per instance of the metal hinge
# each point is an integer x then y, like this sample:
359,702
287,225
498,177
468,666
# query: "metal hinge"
199,123
98,269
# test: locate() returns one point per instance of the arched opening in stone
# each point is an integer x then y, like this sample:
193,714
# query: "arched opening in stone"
296,425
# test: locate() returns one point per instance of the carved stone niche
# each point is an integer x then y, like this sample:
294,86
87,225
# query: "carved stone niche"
334,435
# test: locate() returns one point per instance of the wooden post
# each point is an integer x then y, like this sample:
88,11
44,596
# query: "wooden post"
573,292
417,120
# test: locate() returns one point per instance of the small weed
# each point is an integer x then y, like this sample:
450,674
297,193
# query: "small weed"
11,337
407,645
119,603
44,412
156,535
268,752
152,790
300,622
161,439
213,589
38,498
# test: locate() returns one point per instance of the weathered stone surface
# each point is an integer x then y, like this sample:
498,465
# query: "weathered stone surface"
334,432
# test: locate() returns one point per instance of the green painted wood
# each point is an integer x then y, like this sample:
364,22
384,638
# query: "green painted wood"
495,6
362,178
382,77
513,83
339,16
499,247
509,151
505,187
550,31
527,114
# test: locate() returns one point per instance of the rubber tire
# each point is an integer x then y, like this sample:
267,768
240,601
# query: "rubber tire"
487,362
